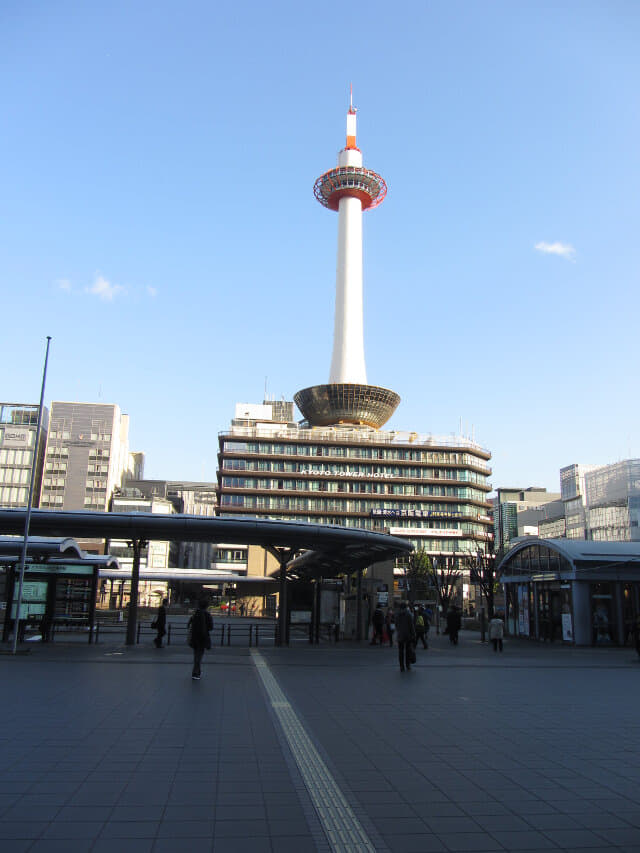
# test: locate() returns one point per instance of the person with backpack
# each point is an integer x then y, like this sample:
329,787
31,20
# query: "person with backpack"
421,628
199,626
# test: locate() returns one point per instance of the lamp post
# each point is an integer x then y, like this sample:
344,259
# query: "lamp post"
27,519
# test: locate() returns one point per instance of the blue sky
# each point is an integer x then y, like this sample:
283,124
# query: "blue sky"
158,218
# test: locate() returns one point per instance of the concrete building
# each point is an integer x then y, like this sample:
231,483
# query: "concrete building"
87,456
518,512
155,555
18,425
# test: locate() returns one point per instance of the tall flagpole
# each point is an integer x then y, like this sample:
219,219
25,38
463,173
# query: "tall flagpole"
27,521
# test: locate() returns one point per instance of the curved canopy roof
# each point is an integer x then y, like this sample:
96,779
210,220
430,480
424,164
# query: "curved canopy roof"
354,547
39,547
577,558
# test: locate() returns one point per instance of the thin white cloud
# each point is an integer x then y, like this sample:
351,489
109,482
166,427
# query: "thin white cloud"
104,290
152,291
563,250
64,284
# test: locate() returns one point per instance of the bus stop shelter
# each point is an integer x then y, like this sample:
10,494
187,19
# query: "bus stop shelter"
326,548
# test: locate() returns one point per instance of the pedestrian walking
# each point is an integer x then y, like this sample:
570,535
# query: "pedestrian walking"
377,620
391,625
421,628
160,623
199,626
406,634
454,623
496,632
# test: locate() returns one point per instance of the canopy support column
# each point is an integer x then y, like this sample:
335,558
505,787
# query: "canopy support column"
359,606
283,556
132,618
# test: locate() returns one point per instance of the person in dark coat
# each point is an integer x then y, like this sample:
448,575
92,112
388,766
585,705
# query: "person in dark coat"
454,623
390,623
377,620
406,636
160,623
200,625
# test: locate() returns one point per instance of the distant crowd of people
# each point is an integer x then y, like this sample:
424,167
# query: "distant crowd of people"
410,626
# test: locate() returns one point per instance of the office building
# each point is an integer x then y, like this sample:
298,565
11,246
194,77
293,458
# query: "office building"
18,427
518,512
87,456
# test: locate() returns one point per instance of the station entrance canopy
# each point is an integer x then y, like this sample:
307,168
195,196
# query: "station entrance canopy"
329,548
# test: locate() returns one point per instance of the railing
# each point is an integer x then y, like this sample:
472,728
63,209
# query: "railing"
360,437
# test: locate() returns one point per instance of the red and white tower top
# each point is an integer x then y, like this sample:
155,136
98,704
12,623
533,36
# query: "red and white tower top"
349,178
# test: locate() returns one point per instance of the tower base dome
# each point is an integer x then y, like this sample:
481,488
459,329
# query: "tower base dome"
346,403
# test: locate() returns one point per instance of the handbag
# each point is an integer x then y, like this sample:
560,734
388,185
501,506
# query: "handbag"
412,653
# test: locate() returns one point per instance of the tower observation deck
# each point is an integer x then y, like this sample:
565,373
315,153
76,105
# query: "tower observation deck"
349,189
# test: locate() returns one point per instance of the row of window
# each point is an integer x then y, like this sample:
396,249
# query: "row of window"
387,453
321,504
54,452
15,475
457,544
13,496
8,456
460,492
65,434
354,469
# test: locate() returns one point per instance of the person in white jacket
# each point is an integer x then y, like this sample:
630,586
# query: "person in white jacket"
496,632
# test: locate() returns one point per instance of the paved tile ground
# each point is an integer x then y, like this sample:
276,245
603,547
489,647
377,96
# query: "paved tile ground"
114,749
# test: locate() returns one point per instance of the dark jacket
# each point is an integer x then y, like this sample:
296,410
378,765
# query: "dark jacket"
378,618
201,623
161,620
454,621
405,629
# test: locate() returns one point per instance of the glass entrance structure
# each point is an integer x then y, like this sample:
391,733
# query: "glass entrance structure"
572,591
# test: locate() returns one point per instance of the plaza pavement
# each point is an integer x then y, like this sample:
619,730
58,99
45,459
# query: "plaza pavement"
108,748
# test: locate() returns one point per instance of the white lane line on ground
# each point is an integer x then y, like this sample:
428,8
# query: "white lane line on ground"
342,828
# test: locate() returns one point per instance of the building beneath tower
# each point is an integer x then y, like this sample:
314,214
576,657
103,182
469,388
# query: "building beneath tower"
429,489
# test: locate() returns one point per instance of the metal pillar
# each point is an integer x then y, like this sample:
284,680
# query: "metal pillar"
283,556
359,606
132,618
27,519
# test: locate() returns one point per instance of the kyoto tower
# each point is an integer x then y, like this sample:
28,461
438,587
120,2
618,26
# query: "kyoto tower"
349,189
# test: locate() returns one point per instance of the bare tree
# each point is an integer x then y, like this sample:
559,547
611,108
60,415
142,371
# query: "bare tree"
482,571
445,576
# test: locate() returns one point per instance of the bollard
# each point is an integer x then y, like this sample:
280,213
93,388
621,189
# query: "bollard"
229,634
250,635
169,635
97,633
138,632
482,625
256,635
222,635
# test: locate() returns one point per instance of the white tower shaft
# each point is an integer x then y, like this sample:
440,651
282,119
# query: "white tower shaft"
347,361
